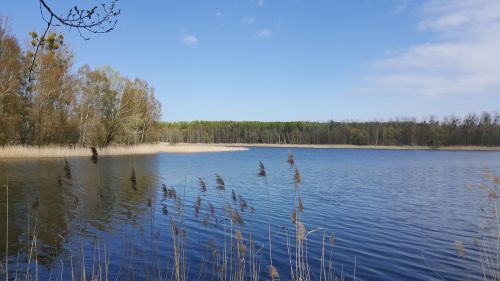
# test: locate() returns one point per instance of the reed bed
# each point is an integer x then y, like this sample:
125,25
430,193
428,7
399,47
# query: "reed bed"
24,152
226,223
488,245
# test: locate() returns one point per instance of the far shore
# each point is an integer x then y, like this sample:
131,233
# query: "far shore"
350,146
25,152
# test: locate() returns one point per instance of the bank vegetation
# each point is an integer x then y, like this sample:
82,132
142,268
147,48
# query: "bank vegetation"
44,101
471,130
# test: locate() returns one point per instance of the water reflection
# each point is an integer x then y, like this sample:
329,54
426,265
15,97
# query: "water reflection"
48,195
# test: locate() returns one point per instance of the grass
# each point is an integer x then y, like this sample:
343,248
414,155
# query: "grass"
24,152
226,222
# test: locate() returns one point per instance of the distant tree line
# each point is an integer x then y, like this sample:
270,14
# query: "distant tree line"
43,101
480,130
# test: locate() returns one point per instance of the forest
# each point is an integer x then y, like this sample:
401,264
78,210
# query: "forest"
471,130
44,101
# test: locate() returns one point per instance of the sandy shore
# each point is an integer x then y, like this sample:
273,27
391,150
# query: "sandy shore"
17,152
381,147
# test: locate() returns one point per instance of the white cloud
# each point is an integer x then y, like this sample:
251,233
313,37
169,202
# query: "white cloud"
463,58
259,3
248,20
219,14
190,40
264,34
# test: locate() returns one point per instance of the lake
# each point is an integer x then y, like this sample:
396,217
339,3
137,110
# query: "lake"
395,214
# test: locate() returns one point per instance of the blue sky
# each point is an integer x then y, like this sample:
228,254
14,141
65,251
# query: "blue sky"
311,60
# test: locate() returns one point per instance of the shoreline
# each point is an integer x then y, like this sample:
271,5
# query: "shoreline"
367,147
33,152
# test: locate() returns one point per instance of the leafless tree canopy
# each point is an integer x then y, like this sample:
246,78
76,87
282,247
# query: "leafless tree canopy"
96,19
101,18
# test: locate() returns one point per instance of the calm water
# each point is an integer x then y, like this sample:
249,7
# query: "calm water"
395,214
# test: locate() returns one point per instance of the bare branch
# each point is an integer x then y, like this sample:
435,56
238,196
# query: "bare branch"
97,19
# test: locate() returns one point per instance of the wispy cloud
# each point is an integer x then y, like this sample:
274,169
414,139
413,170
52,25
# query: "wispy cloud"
219,14
401,6
462,59
264,34
248,20
189,40
259,3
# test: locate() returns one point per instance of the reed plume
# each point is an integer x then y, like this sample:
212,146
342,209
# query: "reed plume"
262,169
236,217
332,239
459,246
173,192
301,231
238,235
169,193
211,209
301,204
496,180
75,202
296,177
197,206
242,249
290,158
220,183
243,203
233,196
94,157
198,200
202,184
273,273
133,179
67,169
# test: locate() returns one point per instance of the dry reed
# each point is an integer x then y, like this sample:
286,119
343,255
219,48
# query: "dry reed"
234,256
23,152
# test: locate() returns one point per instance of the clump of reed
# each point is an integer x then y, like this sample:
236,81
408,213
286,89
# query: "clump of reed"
231,249
489,245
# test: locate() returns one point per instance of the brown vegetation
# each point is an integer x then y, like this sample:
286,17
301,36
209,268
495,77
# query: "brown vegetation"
232,253
43,102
